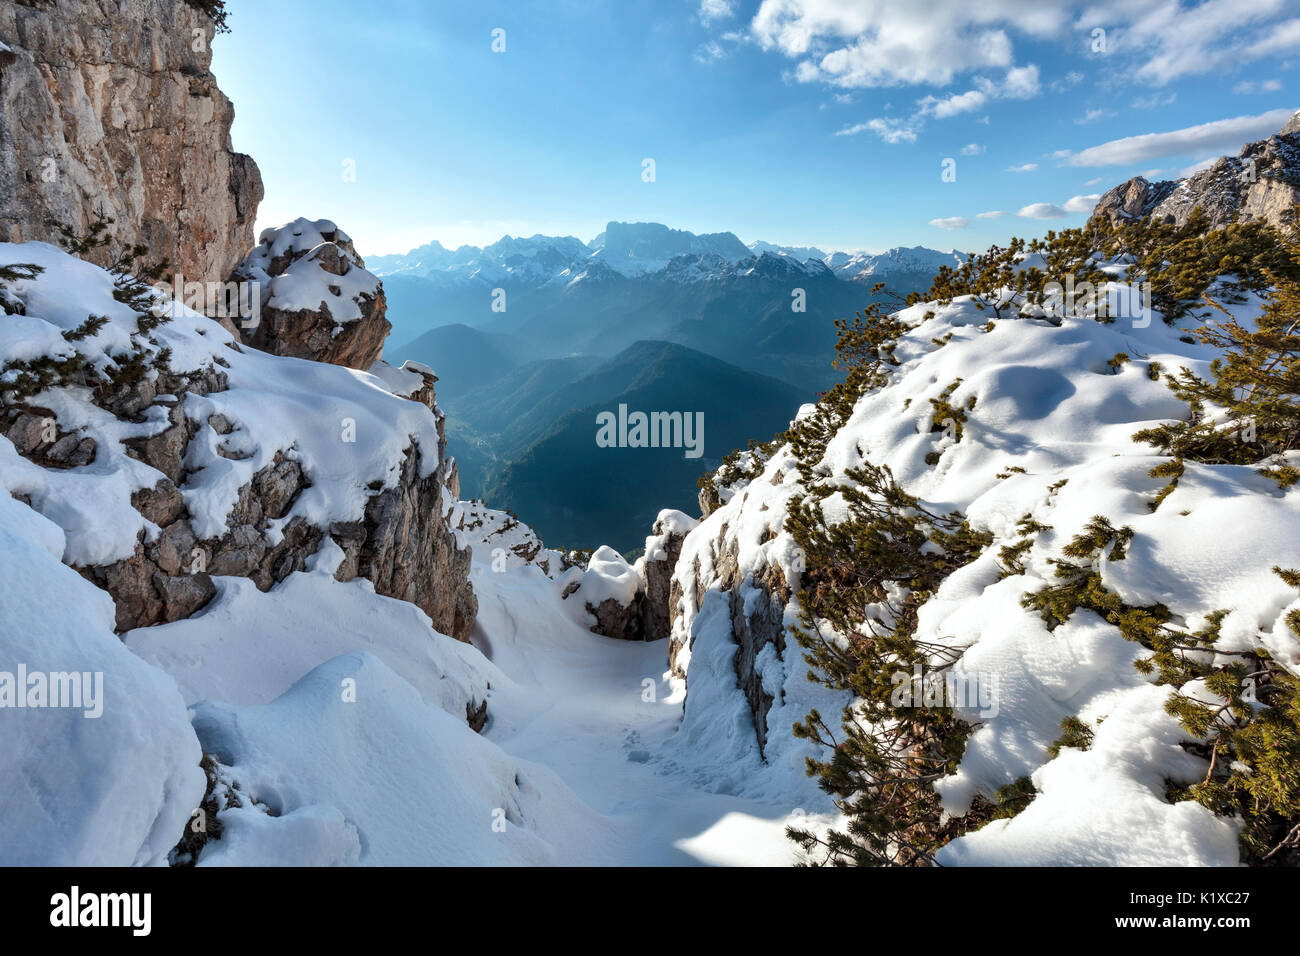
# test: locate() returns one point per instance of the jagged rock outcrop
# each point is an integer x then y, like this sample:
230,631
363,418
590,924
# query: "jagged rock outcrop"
617,620
1134,199
1262,182
663,548
403,546
109,109
317,301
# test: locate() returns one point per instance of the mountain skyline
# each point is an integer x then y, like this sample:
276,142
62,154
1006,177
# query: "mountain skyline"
433,254
841,117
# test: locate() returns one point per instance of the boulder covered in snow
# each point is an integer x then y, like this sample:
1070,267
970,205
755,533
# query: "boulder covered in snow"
317,299
611,591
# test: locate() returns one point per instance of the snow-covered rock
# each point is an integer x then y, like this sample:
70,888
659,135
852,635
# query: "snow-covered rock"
217,461
317,301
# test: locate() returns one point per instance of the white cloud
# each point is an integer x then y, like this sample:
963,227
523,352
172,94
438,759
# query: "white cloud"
890,130
1060,85
1041,210
1020,83
1283,38
951,105
1091,116
953,222
865,44
714,10
1225,134
1094,181
1154,101
871,43
1081,203
991,214
709,52
1023,168
1250,86
1164,40
972,149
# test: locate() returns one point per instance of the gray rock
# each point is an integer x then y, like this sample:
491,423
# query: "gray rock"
1260,183
162,504
183,595
111,109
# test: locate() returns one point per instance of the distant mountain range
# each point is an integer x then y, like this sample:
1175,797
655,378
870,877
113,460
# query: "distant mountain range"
630,249
531,336
559,296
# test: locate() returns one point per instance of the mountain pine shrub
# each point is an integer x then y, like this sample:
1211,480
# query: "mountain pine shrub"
1241,707
1255,382
215,10
864,580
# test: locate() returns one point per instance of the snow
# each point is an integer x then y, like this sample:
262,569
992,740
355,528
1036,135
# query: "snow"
80,790
360,769
669,522
342,714
344,427
242,650
1102,807
304,283
604,716
609,576
1047,401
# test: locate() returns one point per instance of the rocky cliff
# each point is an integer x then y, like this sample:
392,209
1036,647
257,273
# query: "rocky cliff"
108,109
1261,182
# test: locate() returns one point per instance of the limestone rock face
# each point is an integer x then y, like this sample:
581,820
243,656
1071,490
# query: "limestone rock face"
617,620
663,548
108,109
1133,199
317,299
403,546
1262,182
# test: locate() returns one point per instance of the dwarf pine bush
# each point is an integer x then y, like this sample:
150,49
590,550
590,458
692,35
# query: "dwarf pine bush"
1241,707
1255,384
865,579
132,275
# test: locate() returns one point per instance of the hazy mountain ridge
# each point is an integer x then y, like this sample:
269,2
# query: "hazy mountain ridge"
633,250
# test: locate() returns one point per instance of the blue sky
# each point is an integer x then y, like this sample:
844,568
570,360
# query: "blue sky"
823,122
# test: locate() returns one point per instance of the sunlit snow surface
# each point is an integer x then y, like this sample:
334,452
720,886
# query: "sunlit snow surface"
341,714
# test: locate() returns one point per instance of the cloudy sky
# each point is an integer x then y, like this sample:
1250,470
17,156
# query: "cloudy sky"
848,124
